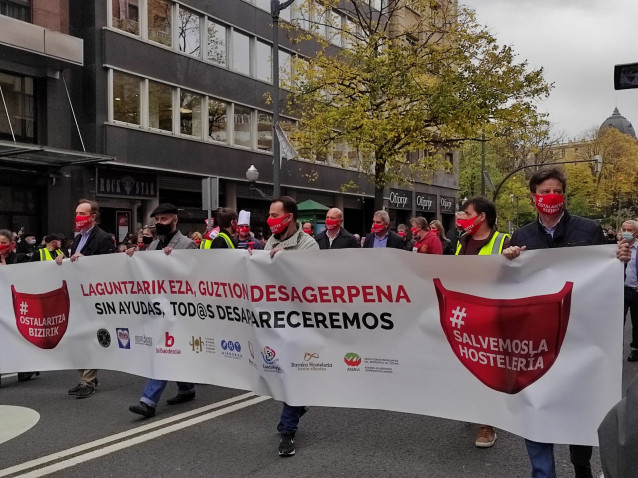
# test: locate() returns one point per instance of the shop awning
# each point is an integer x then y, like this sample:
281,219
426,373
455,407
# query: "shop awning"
25,153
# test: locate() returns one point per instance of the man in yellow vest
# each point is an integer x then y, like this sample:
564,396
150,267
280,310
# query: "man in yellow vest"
52,249
481,238
226,219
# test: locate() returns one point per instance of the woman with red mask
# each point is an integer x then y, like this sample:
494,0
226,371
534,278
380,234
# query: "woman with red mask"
426,241
7,249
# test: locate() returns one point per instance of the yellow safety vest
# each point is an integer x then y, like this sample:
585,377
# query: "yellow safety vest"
493,246
227,239
45,254
205,244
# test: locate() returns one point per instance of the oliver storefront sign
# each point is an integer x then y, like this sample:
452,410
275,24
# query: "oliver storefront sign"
400,199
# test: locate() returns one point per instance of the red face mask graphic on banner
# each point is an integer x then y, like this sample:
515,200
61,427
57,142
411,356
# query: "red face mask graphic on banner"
332,224
507,344
278,225
550,204
42,319
81,222
469,226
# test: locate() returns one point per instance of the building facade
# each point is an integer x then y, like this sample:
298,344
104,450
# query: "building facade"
176,92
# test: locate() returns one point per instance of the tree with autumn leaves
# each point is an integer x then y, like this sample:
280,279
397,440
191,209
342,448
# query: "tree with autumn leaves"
401,86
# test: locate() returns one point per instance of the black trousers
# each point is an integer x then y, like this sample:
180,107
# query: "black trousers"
631,305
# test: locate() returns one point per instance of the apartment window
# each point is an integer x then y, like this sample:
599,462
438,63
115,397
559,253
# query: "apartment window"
125,16
264,131
19,98
333,29
285,66
159,21
243,126
190,114
217,120
216,51
263,61
263,4
241,53
160,106
188,32
18,9
126,98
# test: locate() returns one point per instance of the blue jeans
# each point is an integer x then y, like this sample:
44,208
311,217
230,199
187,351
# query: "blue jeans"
289,420
541,456
154,388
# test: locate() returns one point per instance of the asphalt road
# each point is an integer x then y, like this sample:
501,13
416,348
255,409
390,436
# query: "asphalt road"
231,433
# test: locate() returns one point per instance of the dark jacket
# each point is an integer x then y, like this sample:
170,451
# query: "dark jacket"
98,242
344,240
394,240
16,258
570,231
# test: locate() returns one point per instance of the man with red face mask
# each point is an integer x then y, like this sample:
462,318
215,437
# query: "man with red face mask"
90,241
555,227
287,235
335,236
381,235
245,238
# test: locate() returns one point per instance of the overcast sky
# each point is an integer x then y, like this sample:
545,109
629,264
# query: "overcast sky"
577,42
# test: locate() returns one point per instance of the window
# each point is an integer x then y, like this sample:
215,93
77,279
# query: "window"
216,43
264,131
190,114
159,21
19,97
285,67
217,120
263,4
243,126
188,32
125,16
126,98
333,29
160,106
18,9
263,61
241,53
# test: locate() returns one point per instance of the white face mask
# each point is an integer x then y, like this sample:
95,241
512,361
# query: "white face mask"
31,241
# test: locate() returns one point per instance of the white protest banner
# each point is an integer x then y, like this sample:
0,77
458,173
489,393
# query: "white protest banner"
532,345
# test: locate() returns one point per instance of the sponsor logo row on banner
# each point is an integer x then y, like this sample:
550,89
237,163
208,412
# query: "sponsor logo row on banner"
233,349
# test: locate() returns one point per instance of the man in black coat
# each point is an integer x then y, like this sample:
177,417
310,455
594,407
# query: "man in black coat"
335,236
555,227
382,236
91,241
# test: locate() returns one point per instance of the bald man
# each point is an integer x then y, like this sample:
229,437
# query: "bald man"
335,236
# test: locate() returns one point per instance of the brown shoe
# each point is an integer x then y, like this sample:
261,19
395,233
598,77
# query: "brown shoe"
486,436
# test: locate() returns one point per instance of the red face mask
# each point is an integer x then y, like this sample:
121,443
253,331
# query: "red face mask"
469,226
401,233
277,225
307,231
550,204
5,248
243,230
414,230
332,224
378,227
81,222
198,241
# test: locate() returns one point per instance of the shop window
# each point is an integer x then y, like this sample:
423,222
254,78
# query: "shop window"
126,98
241,53
216,39
264,131
190,114
125,16
159,21
263,61
188,32
19,98
217,120
160,106
243,126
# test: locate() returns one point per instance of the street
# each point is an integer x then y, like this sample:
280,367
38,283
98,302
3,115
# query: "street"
231,433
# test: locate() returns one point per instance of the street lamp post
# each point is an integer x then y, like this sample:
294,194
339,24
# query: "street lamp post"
252,175
275,9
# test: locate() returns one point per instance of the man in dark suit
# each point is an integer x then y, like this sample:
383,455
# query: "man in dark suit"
381,235
335,236
91,241
169,237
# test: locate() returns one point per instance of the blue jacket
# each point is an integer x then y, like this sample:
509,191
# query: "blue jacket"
570,231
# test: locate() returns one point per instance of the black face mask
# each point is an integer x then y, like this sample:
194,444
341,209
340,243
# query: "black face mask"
147,239
163,229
